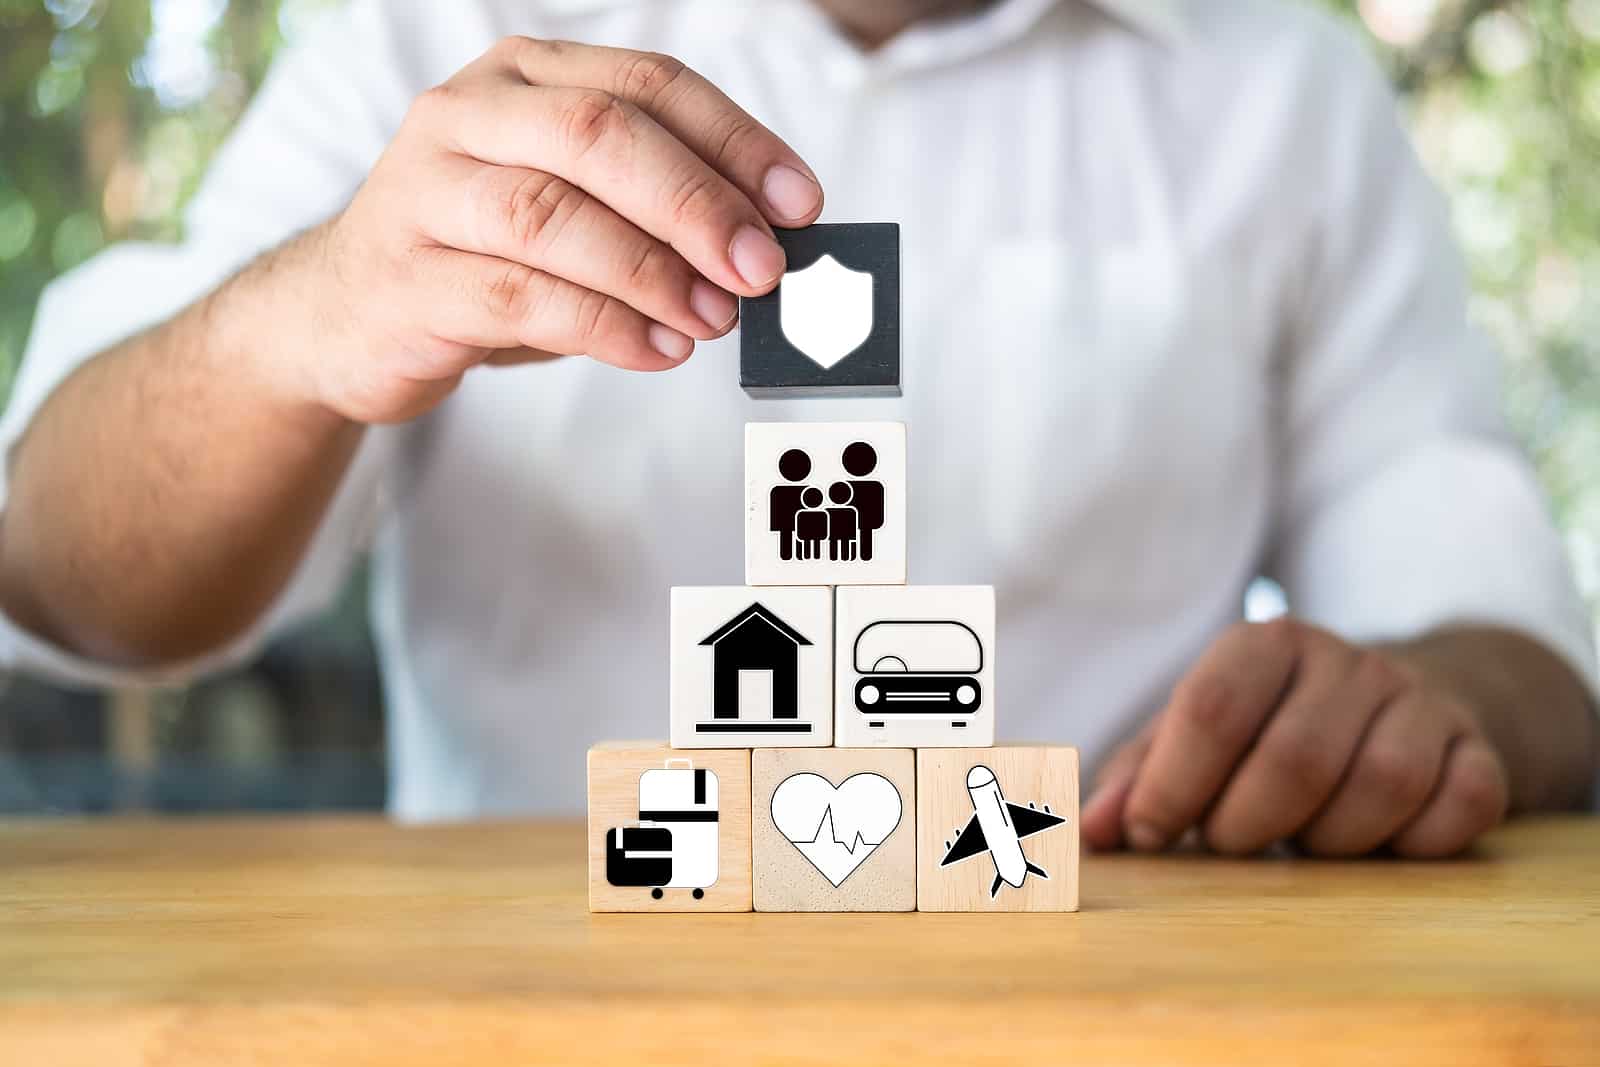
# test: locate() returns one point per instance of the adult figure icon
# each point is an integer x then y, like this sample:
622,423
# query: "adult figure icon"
859,460
783,503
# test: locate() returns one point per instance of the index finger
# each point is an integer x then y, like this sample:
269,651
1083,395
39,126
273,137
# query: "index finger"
693,110
1207,727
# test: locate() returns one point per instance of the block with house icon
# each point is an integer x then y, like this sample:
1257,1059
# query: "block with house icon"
752,667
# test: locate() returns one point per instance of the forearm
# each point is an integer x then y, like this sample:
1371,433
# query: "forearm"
1533,707
165,492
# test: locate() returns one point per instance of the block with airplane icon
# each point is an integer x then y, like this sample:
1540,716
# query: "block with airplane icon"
832,326
825,503
750,667
997,828
669,829
833,829
914,666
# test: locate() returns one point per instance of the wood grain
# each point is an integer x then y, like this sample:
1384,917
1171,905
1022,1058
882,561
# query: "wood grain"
1027,774
349,940
784,880
615,768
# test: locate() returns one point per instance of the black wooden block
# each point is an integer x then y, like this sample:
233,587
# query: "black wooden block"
832,326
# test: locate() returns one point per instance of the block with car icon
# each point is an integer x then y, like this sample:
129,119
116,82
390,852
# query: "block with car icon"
914,666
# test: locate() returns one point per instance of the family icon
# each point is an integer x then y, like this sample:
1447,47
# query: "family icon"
845,517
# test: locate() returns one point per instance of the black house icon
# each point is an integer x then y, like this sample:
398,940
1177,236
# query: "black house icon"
755,652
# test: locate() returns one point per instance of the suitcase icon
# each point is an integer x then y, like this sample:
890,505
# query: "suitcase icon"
675,844
639,856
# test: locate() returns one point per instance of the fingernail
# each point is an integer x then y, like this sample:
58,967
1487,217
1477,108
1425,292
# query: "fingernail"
713,306
1144,837
670,343
756,257
789,193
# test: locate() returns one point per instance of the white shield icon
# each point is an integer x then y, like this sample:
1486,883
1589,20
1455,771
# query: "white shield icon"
826,310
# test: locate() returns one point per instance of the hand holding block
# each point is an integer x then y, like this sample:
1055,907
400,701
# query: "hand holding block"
997,829
669,829
832,326
825,503
834,829
752,667
914,666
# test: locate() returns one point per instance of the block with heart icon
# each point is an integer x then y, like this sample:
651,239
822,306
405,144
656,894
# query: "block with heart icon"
997,828
833,829
825,503
832,326
669,828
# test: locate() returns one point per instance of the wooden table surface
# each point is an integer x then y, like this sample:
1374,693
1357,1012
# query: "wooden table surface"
351,940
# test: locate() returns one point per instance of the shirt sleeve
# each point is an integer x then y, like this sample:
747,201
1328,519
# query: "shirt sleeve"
296,157
1405,504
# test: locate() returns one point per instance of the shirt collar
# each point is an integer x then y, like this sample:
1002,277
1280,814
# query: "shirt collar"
951,41
1161,19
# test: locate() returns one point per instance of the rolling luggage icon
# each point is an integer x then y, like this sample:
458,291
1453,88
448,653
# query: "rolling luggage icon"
675,844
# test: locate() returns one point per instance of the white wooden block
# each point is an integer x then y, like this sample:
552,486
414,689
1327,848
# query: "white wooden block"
915,666
752,668
825,503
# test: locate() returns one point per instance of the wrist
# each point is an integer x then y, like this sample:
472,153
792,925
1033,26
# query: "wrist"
270,324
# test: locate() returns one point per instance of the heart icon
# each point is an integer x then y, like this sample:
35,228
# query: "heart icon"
836,828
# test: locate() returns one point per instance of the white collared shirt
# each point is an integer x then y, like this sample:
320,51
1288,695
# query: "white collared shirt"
1180,308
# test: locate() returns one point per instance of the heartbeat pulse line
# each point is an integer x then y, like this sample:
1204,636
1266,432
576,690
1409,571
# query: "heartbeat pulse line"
826,829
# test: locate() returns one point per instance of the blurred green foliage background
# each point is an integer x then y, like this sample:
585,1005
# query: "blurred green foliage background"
110,109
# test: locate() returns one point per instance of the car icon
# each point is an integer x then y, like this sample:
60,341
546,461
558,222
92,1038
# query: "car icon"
924,667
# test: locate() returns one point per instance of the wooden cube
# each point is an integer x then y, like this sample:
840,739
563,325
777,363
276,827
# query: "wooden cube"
914,666
669,829
832,326
825,503
834,829
752,667
997,829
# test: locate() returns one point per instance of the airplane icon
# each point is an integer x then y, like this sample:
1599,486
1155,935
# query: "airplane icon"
998,827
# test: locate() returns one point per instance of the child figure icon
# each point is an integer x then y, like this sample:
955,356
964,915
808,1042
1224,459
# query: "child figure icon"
845,517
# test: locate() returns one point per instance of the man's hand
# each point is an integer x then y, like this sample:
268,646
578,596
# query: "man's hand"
550,199
1284,731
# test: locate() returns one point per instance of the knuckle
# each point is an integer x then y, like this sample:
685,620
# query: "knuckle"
1207,703
732,135
1393,774
513,47
694,196
591,316
539,206
594,120
643,268
646,77
432,104
1376,673
1302,755
507,294
1282,632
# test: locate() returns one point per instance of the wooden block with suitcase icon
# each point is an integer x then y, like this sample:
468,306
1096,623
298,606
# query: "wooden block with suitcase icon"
669,829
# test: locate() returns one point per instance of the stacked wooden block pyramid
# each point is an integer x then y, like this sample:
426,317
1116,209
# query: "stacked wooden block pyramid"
831,727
